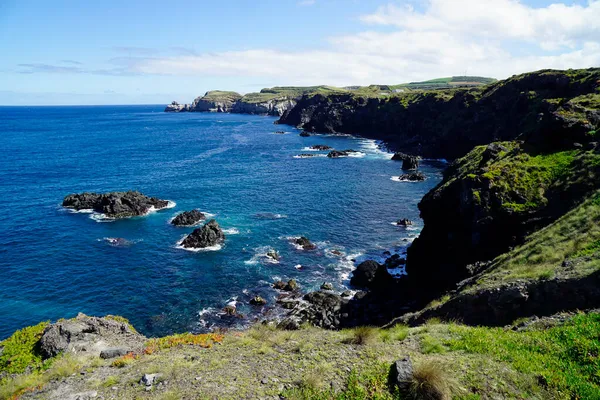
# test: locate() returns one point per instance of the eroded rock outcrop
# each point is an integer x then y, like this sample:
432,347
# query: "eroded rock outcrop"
208,235
91,335
176,107
215,101
115,204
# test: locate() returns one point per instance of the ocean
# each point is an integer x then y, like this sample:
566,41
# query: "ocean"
55,263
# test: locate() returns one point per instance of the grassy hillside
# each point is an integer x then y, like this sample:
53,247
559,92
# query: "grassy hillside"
279,92
548,360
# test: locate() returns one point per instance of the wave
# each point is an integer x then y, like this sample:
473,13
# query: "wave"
269,215
84,211
231,231
357,154
406,227
310,156
375,147
397,179
309,149
260,256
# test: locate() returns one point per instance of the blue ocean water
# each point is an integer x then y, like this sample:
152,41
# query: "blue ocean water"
55,263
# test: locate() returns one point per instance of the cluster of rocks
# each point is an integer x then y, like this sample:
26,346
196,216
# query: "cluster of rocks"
232,102
115,204
412,177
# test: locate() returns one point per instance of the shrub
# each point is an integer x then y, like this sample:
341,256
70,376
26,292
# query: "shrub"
125,360
363,335
397,332
430,382
20,350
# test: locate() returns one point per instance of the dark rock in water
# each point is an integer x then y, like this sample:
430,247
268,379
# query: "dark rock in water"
115,204
305,243
404,222
273,254
401,375
279,285
370,274
113,352
304,134
364,274
413,177
326,286
208,235
280,132
346,293
90,334
258,301
188,218
408,162
290,286
336,252
320,147
394,261
118,242
337,154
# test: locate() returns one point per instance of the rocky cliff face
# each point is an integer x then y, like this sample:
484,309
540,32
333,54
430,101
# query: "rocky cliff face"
215,101
276,107
218,101
448,124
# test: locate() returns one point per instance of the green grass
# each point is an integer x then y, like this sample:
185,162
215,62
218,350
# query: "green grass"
574,235
220,95
566,359
20,350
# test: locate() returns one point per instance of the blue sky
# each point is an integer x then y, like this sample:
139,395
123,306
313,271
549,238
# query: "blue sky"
116,52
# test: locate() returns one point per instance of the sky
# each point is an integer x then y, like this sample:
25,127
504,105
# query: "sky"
152,52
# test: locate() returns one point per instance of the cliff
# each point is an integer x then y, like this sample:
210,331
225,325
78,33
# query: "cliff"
215,101
449,123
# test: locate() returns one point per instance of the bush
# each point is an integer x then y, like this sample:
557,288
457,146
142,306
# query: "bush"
20,350
363,335
430,382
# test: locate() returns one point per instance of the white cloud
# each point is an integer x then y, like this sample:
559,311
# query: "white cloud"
495,38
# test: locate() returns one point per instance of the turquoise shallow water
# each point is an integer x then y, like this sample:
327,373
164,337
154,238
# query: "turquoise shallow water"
55,263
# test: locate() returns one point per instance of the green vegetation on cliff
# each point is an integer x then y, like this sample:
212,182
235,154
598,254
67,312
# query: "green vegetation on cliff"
220,96
549,359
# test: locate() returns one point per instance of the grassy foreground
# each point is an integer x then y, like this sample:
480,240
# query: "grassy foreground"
548,360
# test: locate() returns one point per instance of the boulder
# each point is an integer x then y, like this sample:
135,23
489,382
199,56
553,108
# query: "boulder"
304,134
208,235
113,352
230,309
370,274
188,218
412,177
404,222
115,204
89,334
150,379
305,243
279,132
401,374
410,163
326,286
